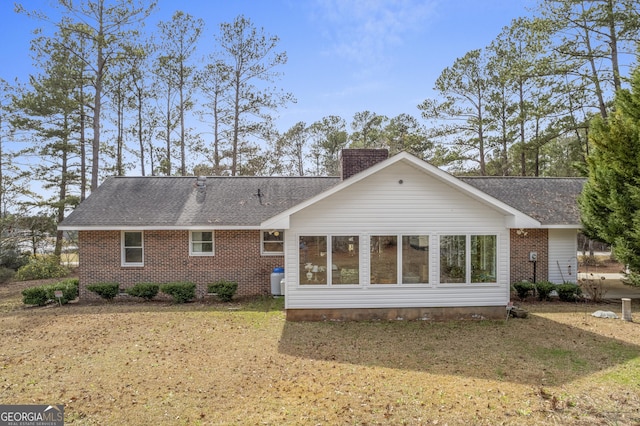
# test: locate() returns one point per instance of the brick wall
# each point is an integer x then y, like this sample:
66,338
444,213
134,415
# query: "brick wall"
166,259
353,161
521,245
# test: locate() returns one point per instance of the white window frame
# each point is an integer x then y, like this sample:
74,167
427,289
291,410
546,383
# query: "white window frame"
265,252
468,279
202,253
123,248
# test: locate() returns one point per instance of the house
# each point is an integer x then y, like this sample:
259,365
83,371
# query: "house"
391,238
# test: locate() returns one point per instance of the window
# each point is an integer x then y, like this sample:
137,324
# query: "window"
483,258
384,259
453,259
468,258
132,248
272,242
415,259
201,243
313,260
345,260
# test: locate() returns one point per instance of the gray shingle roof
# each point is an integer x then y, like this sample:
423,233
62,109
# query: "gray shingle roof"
177,201
174,202
551,201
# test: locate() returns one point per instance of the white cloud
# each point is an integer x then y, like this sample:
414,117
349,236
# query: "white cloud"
365,31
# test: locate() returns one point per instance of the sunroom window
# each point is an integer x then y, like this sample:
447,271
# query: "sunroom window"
313,260
345,260
415,259
384,259
453,259
483,258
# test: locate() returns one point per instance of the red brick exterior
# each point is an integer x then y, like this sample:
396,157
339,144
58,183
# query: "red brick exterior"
237,258
522,244
353,161
166,259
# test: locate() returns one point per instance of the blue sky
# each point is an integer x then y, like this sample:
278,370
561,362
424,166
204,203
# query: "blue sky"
344,56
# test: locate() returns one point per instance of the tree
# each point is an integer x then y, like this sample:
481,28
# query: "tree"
367,129
250,56
214,81
105,25
179,38
461,116
49,116
290,154
590,34
329,137
404,133
137,60
610,201
13,180
13,185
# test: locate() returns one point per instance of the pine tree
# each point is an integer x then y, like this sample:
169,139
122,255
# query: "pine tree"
610,201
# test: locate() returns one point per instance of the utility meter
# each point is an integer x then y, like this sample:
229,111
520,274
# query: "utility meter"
533,256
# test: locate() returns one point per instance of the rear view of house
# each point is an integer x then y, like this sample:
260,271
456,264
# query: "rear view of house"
392,238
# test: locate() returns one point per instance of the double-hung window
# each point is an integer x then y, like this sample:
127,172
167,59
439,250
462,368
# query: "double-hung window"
132,245
201,243
272,243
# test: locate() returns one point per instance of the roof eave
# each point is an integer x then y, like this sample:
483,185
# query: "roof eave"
155,227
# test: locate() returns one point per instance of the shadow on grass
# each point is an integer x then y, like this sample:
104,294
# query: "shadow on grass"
534,351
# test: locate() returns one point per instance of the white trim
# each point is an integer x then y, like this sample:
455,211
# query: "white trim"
158,228
123,261
202,253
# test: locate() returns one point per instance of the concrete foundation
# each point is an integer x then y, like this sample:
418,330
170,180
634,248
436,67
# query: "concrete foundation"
394,314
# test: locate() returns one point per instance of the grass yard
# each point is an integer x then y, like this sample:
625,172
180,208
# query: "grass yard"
242,363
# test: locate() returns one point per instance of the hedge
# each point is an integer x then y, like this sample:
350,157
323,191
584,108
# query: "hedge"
146,291
224,289
105,290
181,292
41,295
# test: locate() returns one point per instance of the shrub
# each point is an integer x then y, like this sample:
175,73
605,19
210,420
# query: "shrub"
5,274
105,290
593,288
544,289
12,258
225,290
569,292
181,292
147,291
41,295
68,287
35,296
523,289
42,267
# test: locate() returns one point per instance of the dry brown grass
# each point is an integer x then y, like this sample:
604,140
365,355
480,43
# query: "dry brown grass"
157,363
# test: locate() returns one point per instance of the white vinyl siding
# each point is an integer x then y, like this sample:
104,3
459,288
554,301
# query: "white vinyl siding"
399,200
563,248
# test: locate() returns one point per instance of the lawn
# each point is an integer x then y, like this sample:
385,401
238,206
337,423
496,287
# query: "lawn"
242,363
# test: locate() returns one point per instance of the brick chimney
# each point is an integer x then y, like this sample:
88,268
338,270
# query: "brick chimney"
353,161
